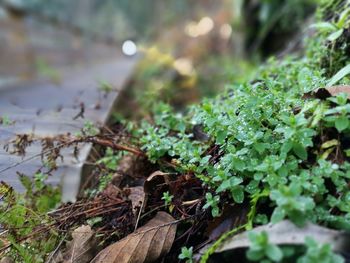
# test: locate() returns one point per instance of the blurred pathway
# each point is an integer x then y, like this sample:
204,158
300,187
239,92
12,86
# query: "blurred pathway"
48,109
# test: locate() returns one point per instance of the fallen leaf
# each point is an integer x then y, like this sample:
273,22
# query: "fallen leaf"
231,217
286,233
199,134
83,246
146,244
137,197
117,179
324,93
335,90
135,167
126,164
155,179
113,192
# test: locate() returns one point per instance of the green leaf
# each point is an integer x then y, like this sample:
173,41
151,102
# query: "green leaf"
255,255
27,183
238,164
235,181
95,220
343,18
273,252
238,194
215,211
181,126
347,152
221,136
260,147
335,35
224,186
325,26
286,147
300,150
277,215
339,75
341,123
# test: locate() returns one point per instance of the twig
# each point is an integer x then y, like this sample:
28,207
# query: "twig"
36,156
139,215
151,211
77,140
53,253
115,146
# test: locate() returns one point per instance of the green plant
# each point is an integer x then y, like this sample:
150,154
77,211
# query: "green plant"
316,252
111,159
186,254
212,201
104,180
334,29
290,202
331,27
265,142
5,120
167,197
105,86
89,129
261,250
337,116
39,180
24,214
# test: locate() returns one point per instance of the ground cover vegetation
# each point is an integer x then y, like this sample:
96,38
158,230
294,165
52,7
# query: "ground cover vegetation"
270,149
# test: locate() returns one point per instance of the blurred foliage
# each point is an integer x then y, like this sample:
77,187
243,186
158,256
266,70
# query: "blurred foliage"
180,81
271,23
335,54
47,71
24,214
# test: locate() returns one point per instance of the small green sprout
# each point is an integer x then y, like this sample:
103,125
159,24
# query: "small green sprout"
168,198
90,129
5,120
105,86
186,254
316,252
213,203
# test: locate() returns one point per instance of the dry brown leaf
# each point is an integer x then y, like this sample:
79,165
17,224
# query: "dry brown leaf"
156,178
324,93
112,191
136,196
335,90
83,246
135,167
231,217
146,244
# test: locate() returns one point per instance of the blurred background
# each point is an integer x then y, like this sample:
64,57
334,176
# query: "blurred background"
189,43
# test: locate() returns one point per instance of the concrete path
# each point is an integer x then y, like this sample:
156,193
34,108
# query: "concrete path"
47,109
